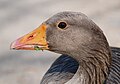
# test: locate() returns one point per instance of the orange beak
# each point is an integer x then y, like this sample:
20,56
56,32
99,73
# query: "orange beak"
35,40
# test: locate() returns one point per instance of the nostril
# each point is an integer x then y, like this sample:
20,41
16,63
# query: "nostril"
30,37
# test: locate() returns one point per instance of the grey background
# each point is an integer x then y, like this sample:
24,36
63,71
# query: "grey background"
18,17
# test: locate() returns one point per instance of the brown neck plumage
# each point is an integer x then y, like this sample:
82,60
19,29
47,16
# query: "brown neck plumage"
94,60
95,69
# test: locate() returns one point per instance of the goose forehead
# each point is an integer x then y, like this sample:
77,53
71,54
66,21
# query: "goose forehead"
66,16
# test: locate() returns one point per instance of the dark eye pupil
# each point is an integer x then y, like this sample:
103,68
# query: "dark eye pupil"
62,25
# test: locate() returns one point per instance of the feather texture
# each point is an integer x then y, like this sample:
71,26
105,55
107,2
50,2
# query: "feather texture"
65,67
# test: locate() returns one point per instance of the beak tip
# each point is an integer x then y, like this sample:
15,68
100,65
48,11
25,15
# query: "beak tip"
12,46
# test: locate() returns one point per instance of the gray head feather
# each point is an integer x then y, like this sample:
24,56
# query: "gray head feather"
83,40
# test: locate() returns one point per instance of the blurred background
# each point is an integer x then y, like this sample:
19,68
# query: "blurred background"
18,17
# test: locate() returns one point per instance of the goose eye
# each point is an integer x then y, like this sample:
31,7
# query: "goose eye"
62,25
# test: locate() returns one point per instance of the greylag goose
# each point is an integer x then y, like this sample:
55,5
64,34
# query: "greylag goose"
86,57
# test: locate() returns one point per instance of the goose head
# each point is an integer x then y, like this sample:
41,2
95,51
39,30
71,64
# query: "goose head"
73,34
70,33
